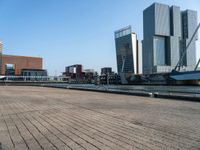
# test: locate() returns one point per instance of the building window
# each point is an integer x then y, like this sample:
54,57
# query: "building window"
159,51
9,69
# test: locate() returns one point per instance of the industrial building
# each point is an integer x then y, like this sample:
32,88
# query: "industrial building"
127,51
166,32
20,65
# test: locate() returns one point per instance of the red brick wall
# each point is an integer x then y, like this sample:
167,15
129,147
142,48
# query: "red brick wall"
21,62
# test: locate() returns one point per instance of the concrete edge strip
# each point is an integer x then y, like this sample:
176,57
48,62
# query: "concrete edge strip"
143,94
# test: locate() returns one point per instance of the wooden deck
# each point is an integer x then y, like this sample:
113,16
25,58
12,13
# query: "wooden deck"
45,118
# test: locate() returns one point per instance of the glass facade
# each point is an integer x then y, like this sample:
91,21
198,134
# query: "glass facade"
123,32
159,51
10,69
124,54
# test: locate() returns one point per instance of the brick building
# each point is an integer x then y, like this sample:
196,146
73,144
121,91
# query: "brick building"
74,71
13,65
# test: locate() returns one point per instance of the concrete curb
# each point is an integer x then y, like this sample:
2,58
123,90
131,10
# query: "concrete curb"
136,93
143,94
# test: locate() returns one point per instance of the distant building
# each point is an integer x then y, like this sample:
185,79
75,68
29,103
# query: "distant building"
16,65
13,65
74,71
127,51
89,75
106,70
167,30
78,75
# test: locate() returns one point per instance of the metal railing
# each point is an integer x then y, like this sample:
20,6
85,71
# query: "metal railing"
33,79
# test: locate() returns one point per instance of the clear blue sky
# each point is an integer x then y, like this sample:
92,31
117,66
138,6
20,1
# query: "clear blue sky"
66,32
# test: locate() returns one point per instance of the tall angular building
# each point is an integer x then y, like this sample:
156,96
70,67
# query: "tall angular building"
167,31
127,51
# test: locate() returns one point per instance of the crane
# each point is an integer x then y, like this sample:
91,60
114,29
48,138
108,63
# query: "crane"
178,66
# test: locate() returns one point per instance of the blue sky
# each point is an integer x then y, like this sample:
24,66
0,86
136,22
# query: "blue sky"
66,32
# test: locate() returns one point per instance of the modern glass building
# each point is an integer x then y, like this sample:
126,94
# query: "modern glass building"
127,51
167,30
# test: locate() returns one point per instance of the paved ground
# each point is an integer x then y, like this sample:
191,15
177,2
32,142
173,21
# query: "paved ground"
47,118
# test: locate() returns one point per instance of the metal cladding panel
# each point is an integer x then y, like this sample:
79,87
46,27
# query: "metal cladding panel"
149,22
147,56
162,19
177,27
174,50
189,18
191,54
175,21
159,50
191,22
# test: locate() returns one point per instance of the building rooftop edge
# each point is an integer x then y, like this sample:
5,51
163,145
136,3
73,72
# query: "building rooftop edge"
21,56
124,28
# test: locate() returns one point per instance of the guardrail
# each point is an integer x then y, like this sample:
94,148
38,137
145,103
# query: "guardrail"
33,78
179,92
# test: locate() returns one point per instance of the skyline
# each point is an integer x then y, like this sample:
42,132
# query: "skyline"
66,33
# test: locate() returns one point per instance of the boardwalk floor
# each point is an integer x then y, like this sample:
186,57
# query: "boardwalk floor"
45,118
